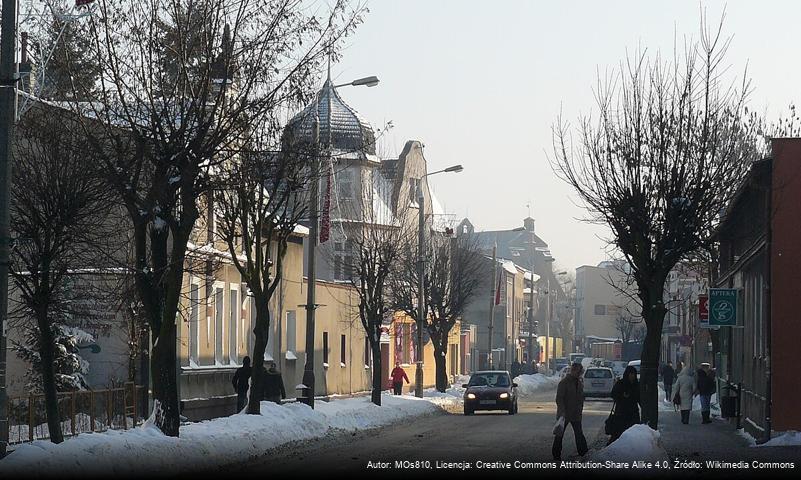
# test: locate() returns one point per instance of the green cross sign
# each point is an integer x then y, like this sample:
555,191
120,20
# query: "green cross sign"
723,307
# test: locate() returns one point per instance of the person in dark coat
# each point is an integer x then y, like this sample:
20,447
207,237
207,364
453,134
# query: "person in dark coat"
668,376
398,375
273,385
241,382
626,394
706,387
515,370
570,405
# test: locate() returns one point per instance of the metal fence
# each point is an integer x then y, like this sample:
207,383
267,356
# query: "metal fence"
79,412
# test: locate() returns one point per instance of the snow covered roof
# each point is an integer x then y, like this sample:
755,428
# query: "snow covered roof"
350,135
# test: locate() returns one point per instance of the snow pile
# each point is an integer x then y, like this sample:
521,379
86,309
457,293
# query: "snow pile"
787,439
531,384
213,443
639,442
747,436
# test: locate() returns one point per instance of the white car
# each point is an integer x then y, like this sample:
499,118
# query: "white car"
619,367
563,372
636,365
598,382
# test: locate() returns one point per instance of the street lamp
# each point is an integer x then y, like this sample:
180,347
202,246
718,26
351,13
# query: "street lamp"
314,200
418,374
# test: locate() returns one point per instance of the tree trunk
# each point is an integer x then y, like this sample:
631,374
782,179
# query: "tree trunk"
49,378
261,331
377,378
165,381
440,362
654,315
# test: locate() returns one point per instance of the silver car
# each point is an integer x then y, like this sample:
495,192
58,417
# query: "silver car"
598,382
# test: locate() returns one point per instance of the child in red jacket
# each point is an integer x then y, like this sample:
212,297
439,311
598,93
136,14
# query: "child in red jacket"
398,375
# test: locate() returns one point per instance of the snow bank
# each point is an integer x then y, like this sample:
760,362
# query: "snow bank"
213,443
787,439
531,384
639,442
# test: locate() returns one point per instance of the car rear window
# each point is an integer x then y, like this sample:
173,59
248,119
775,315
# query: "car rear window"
598,373
490,380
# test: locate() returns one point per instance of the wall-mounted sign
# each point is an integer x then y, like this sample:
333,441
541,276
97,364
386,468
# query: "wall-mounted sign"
723,304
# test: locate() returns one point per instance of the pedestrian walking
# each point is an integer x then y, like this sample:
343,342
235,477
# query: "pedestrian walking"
273,385
398,375
626,395
706,387
241,382
515,370
570,405
668,376
684,390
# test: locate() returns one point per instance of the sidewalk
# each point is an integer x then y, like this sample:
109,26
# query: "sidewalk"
715,441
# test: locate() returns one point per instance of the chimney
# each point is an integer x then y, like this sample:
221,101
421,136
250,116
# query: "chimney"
24,47
26,80
528,224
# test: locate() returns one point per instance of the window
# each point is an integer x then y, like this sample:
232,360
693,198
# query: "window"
219,304
414,186
291,334
342,350
194,331
345,185
407,343
325,349
343,260
233,316
600,309
366,352
251,338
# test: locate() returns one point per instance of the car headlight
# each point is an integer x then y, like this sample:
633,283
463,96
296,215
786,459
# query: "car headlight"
504,395
471,396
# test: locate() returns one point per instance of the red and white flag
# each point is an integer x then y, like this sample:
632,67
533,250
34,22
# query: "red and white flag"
325,220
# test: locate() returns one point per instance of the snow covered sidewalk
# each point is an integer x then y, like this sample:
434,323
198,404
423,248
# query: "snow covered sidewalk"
217,442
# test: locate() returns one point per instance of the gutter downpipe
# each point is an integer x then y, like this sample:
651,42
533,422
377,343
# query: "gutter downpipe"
768,241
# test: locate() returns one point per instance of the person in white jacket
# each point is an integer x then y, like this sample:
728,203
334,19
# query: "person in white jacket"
685,388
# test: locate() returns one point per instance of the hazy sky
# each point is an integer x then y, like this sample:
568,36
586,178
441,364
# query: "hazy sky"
481,82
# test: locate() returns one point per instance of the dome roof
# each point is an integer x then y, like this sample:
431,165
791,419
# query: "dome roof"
350,135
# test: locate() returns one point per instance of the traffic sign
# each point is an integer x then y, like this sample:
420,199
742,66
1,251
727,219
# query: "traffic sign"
723,307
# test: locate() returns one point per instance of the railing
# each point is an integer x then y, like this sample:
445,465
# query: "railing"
79,412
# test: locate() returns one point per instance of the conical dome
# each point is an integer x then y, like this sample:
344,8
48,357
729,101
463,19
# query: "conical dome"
350,135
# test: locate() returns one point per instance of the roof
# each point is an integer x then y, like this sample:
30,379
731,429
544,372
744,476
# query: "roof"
350,135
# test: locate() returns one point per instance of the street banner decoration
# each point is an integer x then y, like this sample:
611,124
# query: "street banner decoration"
723,303
703,311
80,3
498,289
325,221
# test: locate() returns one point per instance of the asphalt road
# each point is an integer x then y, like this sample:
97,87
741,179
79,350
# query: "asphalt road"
442,437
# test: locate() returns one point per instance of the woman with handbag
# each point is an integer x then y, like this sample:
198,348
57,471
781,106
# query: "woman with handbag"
683,392
626,409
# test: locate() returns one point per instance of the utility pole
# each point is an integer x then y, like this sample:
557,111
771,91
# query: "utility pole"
8,113
418,374
530,343
311,306
492,302
548,325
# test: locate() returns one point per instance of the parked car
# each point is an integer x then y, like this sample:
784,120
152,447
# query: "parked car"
490,390
576,357
563,371
598,382
636,365
558,363
618,367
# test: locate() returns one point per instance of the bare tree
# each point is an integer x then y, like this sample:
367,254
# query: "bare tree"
59,202
625,325
374,234
181,82
452,269
260,204
659,162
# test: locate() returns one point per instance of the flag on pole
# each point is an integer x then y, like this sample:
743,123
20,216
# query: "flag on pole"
80,3
498,290
325,220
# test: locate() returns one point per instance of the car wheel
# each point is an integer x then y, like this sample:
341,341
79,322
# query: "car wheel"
515,407
512,409
468,411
